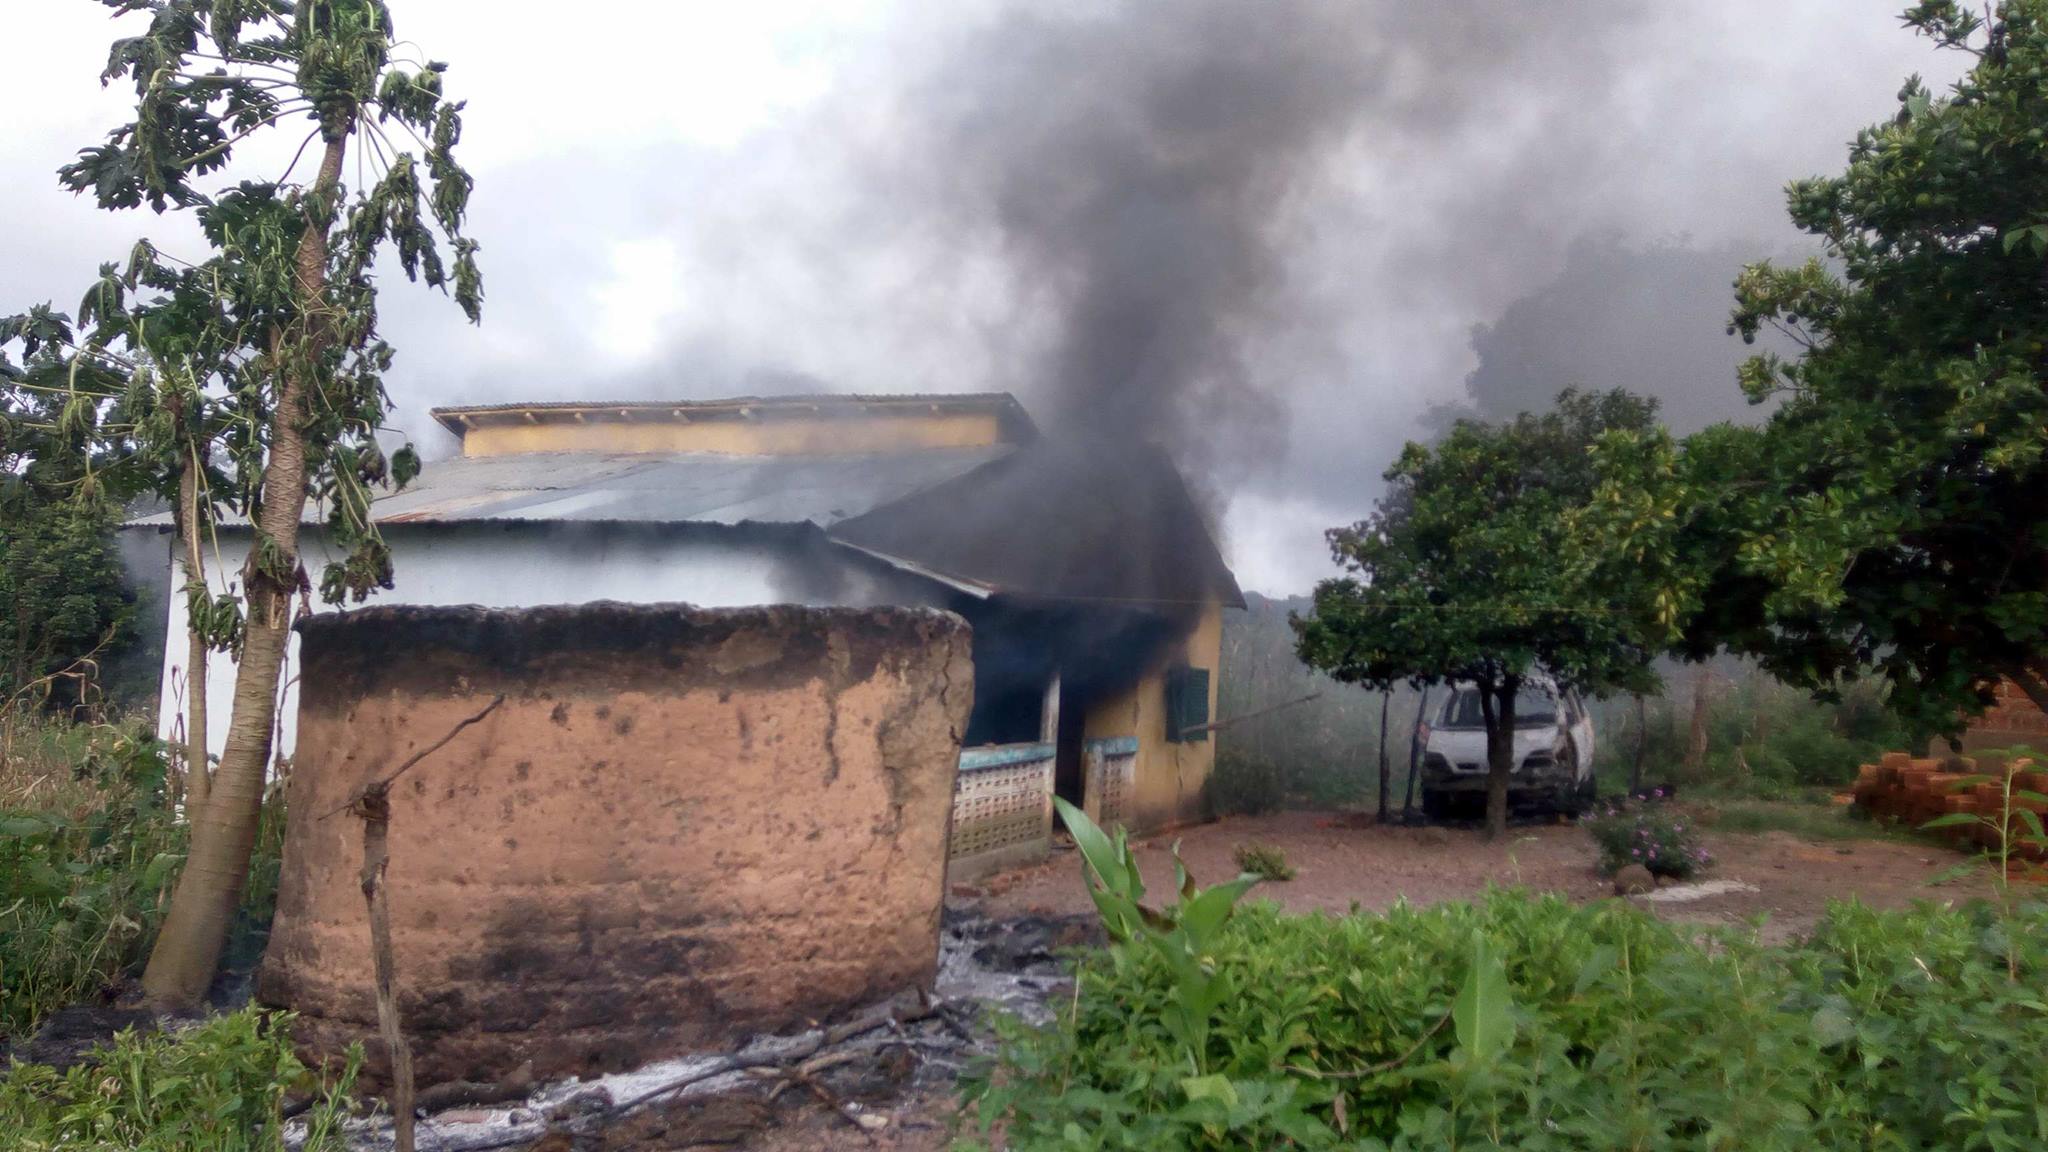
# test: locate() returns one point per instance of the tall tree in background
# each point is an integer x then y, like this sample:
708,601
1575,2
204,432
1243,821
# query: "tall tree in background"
60,585
1889,517
1462,576
263,358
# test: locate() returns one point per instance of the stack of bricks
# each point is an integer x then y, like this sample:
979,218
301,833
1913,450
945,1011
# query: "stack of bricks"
1914,791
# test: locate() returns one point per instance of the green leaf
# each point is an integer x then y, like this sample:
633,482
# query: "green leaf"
1211,1087
1949,821
2032,820
1602,961
1483,1013
12,826
1096,849
1207,912
1833,1026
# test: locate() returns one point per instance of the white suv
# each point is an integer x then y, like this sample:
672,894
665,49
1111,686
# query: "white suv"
1553,751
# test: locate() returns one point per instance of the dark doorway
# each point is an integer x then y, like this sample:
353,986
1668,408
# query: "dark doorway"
1069,779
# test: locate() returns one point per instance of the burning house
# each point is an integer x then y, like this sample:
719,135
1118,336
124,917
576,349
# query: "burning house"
1086,569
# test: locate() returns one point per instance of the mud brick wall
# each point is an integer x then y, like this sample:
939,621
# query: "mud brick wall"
681,826
2012,721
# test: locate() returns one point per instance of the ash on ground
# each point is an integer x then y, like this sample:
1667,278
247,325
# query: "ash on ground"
1017,965
914,1044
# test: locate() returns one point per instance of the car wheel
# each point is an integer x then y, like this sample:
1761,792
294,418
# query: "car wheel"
1435,805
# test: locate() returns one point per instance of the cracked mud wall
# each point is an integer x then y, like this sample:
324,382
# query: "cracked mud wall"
681,826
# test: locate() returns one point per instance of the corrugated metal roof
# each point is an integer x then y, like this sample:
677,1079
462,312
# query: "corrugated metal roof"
702,488
456,418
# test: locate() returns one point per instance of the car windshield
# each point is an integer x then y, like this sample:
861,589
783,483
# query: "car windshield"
1534,708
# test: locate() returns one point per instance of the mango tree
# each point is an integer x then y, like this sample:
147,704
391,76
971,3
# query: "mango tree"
1888,519
1467,573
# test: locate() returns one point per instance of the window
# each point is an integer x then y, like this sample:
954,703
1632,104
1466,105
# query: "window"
1187,705
1534,708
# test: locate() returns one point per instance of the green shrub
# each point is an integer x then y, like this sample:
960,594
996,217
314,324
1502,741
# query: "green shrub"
1245,785
1763,738
1610,1030
88,852
1660,838
219,1087
1264,861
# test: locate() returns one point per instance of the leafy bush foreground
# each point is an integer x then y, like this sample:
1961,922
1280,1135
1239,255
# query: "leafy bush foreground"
1529,1023
218,1087
90,847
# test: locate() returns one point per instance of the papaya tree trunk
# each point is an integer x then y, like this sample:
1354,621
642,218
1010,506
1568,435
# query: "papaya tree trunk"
182,964
1498,708
198,774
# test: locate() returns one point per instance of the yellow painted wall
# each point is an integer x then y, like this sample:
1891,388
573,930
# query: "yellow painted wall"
1168,778
777,435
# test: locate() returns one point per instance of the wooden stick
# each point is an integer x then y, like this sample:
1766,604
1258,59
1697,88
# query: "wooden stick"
1220,725
384,785
374,806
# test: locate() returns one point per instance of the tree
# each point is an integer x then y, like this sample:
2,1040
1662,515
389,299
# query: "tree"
258,368
1464,574
60,586
1888,518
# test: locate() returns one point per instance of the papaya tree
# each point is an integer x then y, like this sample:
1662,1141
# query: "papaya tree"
247,378
1466,573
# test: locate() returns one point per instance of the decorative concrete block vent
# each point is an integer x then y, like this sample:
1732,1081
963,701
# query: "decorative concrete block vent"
680,826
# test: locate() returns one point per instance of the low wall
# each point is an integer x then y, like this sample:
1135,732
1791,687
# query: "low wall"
681,825
1002,809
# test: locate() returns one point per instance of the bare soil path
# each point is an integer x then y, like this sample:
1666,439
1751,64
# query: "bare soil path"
1343,863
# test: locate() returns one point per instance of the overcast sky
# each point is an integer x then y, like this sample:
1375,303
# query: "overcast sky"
1274,233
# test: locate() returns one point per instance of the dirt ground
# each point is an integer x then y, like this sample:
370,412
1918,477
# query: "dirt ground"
1346,862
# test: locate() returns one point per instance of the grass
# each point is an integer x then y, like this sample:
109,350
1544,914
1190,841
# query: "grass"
89,851
1811,815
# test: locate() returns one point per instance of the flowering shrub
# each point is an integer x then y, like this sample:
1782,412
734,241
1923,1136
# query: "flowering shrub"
1651,834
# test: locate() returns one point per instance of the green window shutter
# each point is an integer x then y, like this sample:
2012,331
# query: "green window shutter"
1187,704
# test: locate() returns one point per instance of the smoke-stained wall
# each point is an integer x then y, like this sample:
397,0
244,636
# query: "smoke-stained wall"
680,826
